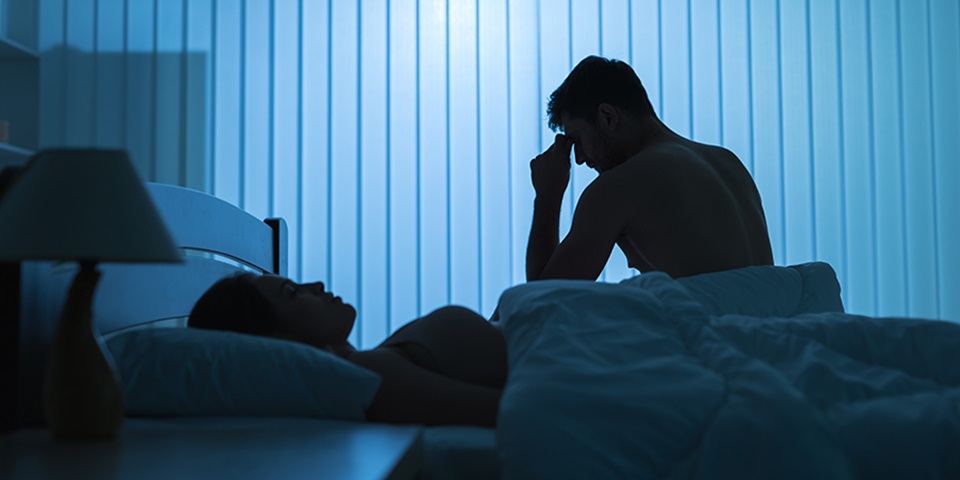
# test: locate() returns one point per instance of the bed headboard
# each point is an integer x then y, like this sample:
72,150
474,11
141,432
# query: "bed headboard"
216,239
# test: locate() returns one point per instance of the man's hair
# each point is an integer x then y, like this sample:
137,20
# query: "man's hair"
235,304
593,81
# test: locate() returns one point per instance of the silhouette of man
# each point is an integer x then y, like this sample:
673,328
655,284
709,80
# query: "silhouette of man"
669,203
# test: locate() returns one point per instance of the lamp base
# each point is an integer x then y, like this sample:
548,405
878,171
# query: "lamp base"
82,397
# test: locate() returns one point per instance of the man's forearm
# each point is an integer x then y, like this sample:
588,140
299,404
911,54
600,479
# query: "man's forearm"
544,236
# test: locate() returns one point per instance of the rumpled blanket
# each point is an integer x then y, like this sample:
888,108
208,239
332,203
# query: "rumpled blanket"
652,379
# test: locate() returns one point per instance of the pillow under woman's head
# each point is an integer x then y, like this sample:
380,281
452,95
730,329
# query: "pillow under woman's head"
189,372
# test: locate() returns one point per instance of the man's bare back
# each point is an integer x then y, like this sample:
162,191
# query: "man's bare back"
695,209
669,204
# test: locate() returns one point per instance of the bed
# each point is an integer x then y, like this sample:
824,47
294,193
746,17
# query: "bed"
752,373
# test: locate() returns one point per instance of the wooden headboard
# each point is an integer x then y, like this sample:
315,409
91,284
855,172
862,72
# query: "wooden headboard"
216,239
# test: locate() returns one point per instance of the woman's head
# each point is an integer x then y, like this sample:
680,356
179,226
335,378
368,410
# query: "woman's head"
273,306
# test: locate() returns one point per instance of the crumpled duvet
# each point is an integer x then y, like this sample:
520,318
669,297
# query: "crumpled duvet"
647,379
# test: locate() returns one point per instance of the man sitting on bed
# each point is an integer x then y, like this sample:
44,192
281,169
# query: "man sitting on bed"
671,204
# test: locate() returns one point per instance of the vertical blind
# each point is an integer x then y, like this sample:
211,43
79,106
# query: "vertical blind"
395,135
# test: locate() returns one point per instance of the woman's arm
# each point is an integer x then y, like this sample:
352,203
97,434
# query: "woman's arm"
411,394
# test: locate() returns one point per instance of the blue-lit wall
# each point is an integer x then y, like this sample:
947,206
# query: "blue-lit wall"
394,135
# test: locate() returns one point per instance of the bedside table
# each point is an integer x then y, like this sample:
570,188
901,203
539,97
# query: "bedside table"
210,448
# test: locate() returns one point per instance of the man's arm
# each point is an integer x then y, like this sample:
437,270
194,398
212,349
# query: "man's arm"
544,236
550,173
597,223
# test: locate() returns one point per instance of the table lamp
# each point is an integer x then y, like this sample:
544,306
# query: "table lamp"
88,206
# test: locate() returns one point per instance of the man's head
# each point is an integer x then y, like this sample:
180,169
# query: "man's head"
596,107
595,81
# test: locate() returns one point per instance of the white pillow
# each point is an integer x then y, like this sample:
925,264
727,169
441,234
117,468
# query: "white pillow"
765,291
193,372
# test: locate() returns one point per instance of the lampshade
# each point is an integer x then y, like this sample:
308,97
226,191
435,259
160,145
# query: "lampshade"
85,205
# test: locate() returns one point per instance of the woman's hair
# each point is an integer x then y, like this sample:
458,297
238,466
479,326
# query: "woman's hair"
234,303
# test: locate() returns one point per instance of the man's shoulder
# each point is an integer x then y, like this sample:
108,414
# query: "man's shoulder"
686,150
625,184
647,168
674,160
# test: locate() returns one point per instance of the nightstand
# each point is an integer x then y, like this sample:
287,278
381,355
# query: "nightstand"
210,448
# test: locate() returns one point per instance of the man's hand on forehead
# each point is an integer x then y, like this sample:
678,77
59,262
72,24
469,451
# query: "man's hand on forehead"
550,171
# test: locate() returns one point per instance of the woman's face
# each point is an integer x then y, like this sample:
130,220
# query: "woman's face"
306,312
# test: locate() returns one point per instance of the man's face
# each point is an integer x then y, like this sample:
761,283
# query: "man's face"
591,145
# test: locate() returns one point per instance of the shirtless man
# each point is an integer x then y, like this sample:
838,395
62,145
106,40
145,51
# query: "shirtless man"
670,204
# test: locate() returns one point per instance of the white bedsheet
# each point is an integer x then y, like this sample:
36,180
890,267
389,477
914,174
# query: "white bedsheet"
638,381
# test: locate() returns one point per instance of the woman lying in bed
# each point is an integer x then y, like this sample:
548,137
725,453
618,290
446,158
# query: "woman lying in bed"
446,368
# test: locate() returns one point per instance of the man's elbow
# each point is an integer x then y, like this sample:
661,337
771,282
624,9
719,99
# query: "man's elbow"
532,275
560,272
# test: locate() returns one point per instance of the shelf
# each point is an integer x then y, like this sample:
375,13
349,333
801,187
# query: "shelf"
19,80
19,99
11,49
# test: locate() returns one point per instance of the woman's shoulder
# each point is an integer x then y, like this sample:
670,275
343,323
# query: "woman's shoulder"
445,323
456,342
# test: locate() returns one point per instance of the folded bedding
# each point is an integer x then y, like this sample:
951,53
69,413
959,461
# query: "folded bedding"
660,378
766,291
